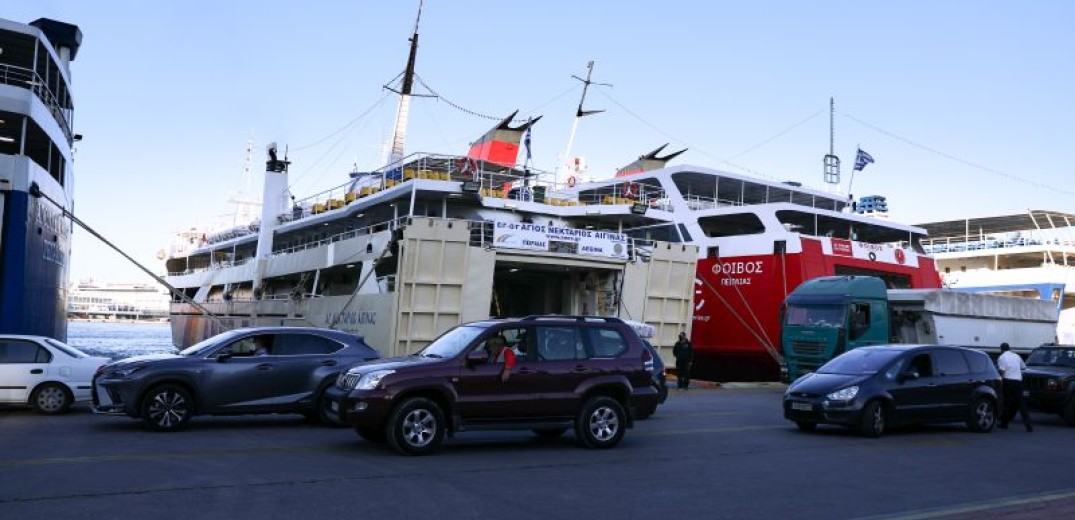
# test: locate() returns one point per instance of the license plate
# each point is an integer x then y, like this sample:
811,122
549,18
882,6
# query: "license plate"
335,406
806,407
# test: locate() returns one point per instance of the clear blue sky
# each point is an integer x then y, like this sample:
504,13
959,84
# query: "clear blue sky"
168,93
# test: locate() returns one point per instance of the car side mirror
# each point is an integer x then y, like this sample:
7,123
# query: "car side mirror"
477,357
910,375
223,357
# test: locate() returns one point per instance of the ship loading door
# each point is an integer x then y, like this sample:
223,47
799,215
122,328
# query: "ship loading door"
523,289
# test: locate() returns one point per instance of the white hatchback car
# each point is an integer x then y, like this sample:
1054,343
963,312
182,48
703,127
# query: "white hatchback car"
44,373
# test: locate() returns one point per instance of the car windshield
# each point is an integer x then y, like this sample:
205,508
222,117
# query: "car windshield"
816,315
66,349
451,343
859,361
203,347
1052,357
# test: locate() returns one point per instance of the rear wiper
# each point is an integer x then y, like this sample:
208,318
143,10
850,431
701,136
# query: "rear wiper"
432,355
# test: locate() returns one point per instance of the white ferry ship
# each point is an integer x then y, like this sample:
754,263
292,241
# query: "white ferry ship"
402,253
1029,254
36,140
117,301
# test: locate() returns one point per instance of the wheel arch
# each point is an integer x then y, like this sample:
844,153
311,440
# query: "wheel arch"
33,391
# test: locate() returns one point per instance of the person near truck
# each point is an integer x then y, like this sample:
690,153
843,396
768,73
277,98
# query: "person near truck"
1011,368
684,354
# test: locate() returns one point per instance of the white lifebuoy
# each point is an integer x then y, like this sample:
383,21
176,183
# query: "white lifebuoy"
571,181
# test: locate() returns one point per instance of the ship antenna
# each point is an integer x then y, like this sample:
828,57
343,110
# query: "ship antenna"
832,162
399,134
579,114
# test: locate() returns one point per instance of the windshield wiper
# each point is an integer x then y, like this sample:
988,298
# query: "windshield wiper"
432,355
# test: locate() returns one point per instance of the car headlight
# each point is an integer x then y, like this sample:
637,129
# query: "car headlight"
372,379
846,394
126,372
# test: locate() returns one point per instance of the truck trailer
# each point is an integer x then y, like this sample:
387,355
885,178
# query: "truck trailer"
827,316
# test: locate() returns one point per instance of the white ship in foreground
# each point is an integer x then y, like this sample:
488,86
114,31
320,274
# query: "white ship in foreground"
405,252
1028,254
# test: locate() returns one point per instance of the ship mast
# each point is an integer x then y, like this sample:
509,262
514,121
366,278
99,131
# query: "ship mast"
399,134
831,161
561,174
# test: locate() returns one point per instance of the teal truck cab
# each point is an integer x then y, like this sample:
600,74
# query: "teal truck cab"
825,317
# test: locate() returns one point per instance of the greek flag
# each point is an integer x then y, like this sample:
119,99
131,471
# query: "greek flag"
861,160
526,141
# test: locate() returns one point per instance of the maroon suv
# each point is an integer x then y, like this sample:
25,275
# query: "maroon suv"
544,373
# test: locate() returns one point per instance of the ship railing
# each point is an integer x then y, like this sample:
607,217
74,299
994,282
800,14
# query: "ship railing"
371,229
698,202
20,77
962,244
487,178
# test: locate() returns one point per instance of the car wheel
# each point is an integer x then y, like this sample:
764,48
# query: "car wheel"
51,399
1069,412
601,423
415,427
167,407
872,423
806,426
370,435
983,415
549,433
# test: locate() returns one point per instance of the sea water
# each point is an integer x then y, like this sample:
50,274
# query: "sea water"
117,340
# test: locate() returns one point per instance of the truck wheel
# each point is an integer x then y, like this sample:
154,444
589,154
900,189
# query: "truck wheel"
806,426
167,407
872,422
601,423
415,427
1069,412
983,416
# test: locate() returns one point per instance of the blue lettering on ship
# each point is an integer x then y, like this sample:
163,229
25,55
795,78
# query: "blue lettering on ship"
354,318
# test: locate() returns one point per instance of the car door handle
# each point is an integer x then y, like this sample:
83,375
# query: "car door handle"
526,371
37,371
328,363
264,366
581,368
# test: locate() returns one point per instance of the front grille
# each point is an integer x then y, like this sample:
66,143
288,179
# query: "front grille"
347,381
807,348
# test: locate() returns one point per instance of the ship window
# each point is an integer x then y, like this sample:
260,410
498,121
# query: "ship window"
684,233
731,225
947,270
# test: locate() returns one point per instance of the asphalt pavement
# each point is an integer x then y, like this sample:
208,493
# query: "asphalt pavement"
711,453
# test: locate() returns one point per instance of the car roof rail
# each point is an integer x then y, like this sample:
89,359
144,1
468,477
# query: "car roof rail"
535,317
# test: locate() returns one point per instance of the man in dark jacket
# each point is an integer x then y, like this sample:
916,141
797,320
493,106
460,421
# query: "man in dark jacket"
684,353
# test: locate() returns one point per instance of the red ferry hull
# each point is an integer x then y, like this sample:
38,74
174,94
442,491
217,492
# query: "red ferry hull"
737,301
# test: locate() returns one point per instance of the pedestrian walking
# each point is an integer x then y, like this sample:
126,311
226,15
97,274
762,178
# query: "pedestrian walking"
1011,368
684,354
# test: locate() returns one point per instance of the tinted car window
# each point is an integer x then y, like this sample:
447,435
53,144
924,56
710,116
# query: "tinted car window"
923,365
559,343
859,361
950,363
1052,357
606,343
979,362
298,344
12,351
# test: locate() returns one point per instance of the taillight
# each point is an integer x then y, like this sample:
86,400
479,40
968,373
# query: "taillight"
100,370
